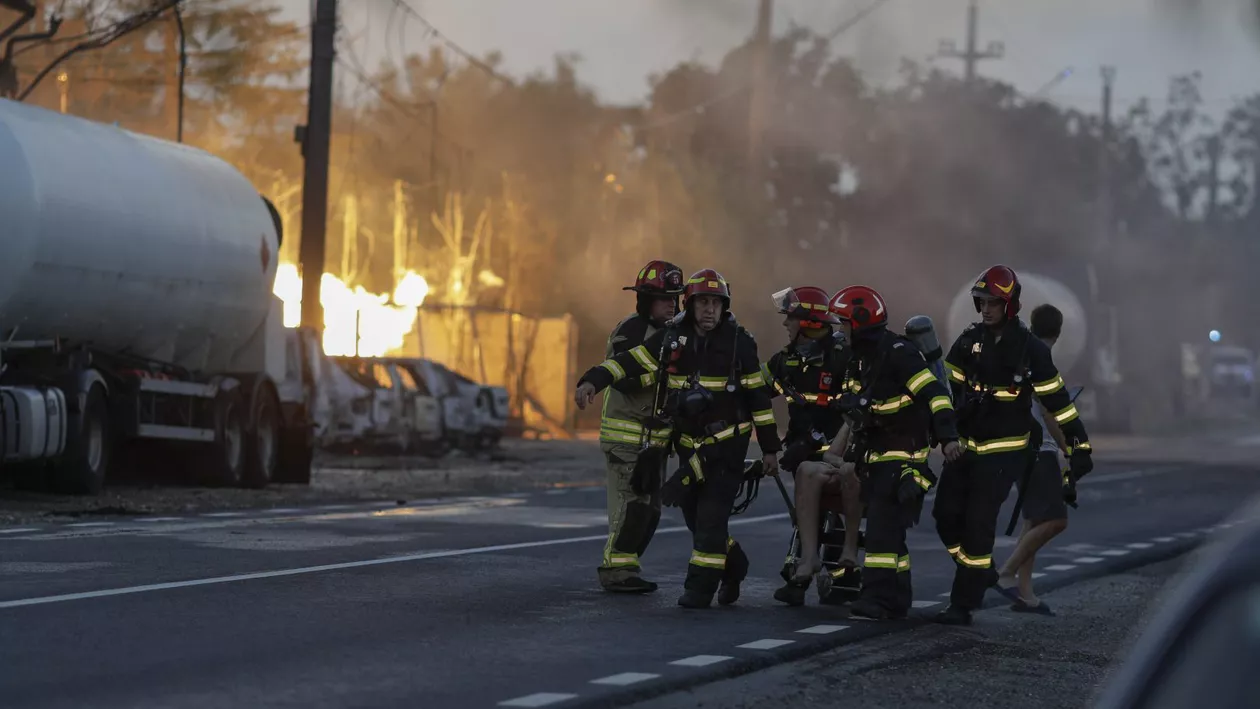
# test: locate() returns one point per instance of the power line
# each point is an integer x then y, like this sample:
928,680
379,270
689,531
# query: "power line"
699,108
454,47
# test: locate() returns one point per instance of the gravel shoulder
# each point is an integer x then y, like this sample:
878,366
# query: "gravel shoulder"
517,465
1004,660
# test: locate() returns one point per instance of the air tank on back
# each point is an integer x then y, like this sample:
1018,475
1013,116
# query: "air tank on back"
1036,290
129,243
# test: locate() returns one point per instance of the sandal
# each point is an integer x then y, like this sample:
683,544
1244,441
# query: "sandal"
1040,609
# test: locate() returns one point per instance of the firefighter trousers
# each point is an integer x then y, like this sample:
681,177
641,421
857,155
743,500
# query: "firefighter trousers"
886,567
706,508
968,502
632,518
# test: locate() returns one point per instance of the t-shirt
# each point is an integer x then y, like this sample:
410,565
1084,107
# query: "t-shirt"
1048,444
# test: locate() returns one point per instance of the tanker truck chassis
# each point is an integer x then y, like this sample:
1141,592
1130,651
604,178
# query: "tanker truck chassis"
138,328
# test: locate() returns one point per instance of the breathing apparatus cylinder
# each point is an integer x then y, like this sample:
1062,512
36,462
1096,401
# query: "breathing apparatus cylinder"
921,331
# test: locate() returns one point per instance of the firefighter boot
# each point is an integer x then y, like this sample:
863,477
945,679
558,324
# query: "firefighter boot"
870,610
695,599
791,593
736,571
954,615
631,584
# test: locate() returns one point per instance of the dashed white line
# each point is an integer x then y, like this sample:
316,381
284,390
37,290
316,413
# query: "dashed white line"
767,644
19,530
1163,540
541,699
1037,574
925,604
91,524
1088,560
224,514
701,660
625,679
1061,567
157,519
1187,535
1115,552
284,511
947,594
1140,545
822,629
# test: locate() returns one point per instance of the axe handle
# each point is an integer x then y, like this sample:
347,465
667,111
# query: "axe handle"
787,499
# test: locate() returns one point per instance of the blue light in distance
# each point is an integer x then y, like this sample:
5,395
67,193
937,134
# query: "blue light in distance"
1214,336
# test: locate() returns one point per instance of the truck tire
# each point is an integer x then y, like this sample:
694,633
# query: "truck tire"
262,440
297,456
89,445
226,463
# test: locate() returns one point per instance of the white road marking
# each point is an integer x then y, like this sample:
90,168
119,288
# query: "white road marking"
1163,540
1061,567
1087,560
561,491
625,678
1186,535
925,604
91,524
157,519
284,510
947,594
1140,545
822,629
1115,552
18,530
346,565
542,699
334,507
701,660
767,644
1037,574
224,514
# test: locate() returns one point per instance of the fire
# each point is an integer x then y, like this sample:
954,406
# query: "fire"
380,324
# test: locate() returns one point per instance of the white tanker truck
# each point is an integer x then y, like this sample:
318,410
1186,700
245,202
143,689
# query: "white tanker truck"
137,315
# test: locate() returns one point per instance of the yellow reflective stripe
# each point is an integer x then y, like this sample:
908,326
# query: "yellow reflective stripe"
880,561
690,442
975,562
954,550
918,478
712,561
997,445
714,383
622,424
612,436
903,563
940,403
763,418
696,468
956,374
1080,447
644,358
889,406
767,378
614,369
1067,414
647,380
920,380
886,456
1049,386
752,381
620,560
1005,394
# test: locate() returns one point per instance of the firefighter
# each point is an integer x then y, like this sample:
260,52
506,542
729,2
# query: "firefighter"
707,380
809,371
634,503
896,410
995,367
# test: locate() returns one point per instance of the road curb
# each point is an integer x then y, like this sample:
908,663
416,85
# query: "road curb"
861,630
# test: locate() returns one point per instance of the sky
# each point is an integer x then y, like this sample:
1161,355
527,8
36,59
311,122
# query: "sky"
622,42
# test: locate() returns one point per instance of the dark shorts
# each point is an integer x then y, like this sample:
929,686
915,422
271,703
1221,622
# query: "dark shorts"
1044,500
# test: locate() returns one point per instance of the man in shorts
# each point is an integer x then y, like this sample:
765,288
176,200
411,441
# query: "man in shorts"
1045,512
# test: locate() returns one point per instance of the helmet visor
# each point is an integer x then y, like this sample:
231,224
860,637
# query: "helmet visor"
786,302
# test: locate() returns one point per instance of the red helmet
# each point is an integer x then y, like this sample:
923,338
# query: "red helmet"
998,283
658,278
861,306
807,304
707,282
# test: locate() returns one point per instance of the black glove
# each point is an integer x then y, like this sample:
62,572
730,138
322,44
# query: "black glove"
796,454
646,477
1081,463
1069,488
682,482
910,497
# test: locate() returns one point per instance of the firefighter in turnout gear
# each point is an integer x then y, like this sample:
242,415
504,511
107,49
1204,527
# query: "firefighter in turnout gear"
634,502
995,367
707,380
809,372
896,410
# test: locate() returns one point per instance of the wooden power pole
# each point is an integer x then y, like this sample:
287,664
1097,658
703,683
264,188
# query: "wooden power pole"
315,138
759,98
971,56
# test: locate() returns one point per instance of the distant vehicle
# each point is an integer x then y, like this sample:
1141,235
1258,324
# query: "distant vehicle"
491,409
1202,649
404,417
136,311
474,415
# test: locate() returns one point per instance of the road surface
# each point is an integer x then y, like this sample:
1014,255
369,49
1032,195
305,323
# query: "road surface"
464,602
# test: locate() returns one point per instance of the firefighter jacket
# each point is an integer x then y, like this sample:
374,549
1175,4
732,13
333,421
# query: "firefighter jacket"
810,381
628,403
680,362
909,408
994,374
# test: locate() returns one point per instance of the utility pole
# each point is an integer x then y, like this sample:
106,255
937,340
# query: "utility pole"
1104,158
971,55
315,138
759,98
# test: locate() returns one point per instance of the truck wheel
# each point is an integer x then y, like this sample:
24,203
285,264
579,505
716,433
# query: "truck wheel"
89,443
297,454
227,460
262,449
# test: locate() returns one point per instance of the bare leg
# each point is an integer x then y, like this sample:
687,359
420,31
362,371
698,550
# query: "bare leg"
1006,575
1021,561
851,497
809,483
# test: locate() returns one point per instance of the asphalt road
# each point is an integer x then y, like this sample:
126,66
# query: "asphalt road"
467,602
